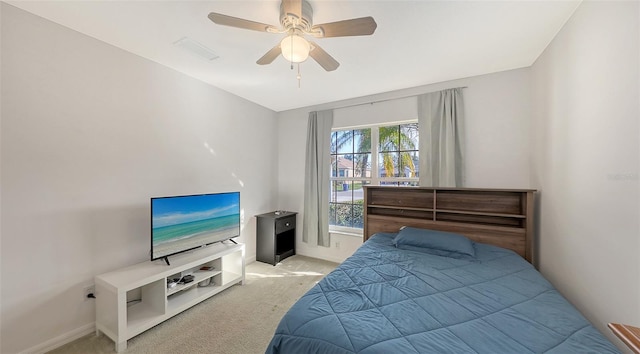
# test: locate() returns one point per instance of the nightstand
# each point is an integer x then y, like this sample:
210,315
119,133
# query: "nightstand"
275,236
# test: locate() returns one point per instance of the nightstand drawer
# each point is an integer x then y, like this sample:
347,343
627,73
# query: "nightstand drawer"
285,224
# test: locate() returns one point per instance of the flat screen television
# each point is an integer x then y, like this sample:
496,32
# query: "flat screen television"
183,223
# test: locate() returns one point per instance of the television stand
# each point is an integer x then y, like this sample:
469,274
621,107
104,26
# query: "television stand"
166,260
216,267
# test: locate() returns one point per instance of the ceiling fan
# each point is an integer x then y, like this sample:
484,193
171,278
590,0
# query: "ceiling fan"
296,19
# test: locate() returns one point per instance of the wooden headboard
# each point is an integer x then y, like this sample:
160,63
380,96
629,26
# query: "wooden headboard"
500,217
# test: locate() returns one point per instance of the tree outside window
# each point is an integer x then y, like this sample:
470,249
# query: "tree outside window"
392,149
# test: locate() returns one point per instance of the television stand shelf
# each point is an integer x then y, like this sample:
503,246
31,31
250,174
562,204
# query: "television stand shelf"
131,300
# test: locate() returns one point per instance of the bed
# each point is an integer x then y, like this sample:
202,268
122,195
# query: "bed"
431,288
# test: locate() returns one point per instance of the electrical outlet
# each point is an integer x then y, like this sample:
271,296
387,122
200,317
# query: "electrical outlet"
337,244
89,289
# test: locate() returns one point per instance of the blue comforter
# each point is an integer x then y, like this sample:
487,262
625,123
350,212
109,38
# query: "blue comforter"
386,300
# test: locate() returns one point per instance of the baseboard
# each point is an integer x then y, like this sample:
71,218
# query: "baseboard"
61,340
249,260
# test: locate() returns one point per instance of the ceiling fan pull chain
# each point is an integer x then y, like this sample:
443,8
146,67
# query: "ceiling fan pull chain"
299,77
292,54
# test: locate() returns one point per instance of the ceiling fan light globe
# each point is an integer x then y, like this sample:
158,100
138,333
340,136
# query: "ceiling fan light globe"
295,48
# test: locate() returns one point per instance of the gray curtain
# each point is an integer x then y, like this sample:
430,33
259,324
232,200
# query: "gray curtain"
315,223
441,123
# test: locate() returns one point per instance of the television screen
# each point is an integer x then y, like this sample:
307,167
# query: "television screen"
183,223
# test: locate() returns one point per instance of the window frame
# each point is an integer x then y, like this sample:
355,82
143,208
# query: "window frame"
375,178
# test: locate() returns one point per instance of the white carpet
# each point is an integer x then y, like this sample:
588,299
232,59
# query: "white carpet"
241,319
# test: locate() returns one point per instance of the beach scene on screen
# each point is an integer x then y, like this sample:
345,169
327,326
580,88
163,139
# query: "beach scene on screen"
182,223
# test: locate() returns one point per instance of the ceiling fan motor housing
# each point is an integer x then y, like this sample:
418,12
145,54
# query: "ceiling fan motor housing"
292,22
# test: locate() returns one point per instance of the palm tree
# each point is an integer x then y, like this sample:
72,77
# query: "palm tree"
398,138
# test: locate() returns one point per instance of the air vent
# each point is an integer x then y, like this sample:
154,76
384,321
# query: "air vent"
196,48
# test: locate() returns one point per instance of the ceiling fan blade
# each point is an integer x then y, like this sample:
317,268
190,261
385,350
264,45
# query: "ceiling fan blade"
323,58
362,26
270,56
225,20
293,7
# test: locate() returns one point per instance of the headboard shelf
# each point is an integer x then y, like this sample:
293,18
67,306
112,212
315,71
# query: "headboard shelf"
465,212
399,207
502,217
448,211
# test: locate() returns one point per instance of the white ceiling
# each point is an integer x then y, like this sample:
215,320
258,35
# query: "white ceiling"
416,42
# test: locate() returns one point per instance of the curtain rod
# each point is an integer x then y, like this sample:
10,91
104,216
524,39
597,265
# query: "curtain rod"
391,99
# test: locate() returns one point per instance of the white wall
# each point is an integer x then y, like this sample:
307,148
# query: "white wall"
585,136
497,145
89,134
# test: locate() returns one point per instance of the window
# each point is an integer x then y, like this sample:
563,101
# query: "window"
350,169
393,150
398,151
